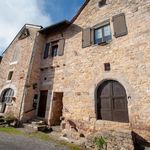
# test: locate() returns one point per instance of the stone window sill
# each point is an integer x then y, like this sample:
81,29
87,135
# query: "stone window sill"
8,104
13,63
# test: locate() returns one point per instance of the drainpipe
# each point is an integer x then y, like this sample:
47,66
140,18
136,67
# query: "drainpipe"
27,79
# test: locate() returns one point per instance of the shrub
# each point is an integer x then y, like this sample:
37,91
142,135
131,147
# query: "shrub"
100,143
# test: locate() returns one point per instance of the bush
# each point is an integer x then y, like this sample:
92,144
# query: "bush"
100,143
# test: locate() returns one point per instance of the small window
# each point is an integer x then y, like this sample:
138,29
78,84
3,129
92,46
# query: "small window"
107,66
46,50
15,55
1,58
102,3
54,50
10,75
102,34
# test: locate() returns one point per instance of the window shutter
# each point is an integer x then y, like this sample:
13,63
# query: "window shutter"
86,37
46,51
120,28
61,45
92,36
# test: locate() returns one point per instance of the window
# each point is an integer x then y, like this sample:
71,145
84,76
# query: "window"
102,34
8,95
54,50
1,58
46,50
107,66
102,3
15,55
10,75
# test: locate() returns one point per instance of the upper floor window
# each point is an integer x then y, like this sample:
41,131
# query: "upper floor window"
15,55
101,3
10,75
54,50
46,50
102,34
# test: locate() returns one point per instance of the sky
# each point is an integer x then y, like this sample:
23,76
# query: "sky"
15,13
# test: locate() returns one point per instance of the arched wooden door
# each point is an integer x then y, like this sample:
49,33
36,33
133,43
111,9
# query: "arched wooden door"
111,102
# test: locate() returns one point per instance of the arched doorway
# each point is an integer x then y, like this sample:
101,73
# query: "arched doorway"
111,102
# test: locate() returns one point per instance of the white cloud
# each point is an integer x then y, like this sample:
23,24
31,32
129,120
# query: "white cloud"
15,13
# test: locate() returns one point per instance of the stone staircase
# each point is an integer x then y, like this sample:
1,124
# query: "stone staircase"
8,121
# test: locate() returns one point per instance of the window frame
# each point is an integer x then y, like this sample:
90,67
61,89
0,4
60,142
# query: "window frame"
7,95
102,26
10,75
54,51
46,51
54,44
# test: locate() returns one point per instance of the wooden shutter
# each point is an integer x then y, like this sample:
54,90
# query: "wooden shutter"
86,37
120,28
46,51
61,45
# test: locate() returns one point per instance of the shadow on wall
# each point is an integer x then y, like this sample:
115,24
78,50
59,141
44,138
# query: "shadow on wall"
75,29
139,142
1,58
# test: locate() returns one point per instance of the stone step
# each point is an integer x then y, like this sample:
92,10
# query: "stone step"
35,127
1,116
56,128
38,122
2,120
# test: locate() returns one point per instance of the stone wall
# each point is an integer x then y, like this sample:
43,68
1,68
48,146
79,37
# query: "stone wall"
129,59
33,81
52,69
20,68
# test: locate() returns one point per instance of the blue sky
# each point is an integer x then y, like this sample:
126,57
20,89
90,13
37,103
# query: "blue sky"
15,13
61,9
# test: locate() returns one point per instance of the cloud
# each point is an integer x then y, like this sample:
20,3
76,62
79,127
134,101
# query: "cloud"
15,13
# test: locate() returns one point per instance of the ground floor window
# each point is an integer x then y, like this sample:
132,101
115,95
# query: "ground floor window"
111,102
7,95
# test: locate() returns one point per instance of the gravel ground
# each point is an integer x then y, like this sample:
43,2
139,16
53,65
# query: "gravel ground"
17,142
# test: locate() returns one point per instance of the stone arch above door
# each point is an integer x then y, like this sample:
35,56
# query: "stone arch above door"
111,101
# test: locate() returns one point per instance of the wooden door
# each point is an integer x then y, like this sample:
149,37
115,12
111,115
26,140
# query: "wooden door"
112,102
42,104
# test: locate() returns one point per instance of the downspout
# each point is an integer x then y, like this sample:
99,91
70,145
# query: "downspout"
27,79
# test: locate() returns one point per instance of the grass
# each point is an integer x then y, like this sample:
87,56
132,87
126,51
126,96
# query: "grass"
10,130
39,135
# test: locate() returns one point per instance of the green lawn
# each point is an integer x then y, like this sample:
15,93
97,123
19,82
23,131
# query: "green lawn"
39,135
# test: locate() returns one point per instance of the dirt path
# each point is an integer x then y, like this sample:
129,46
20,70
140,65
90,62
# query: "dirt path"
18,142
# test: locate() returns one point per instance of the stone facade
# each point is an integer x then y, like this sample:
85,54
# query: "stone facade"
129,58
20,68
77,74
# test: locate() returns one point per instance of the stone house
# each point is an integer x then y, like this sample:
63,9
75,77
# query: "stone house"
92,72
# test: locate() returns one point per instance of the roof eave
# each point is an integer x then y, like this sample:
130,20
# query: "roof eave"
19,33
64,24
